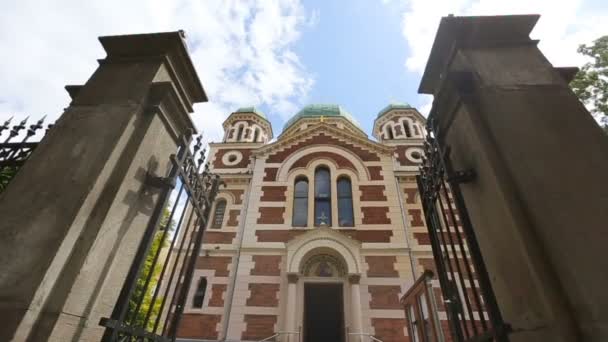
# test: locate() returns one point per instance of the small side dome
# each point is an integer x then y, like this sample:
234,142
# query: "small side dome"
319,110
253,110
396,105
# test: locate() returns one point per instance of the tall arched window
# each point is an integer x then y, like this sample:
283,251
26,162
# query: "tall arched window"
322,197
218,215
199,295
300,203
389,132
406,127
239,135
345,203
256,134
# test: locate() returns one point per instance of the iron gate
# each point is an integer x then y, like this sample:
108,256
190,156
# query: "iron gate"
152,299
471,306
13,154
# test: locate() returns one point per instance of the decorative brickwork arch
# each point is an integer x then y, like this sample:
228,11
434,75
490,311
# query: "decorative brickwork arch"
341,158
323,241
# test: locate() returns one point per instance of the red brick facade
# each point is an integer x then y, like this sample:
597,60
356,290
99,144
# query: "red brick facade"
219,164
416,217
199,326
217,292
271,215
217,263
322,139
390,329
285,235
381,266
273,193
233,218
410,195
372,192
266,265
270,174
259,327
218,237
385,297
338,159
375,172
263,295
237,194
375,215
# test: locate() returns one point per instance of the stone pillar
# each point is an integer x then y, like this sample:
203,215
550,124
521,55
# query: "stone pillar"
73,216
292,300
538,202
355,302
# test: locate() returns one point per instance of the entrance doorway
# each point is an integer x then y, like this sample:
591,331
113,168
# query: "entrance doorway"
323,313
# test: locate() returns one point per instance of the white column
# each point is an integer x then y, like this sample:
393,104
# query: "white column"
355,302
290,317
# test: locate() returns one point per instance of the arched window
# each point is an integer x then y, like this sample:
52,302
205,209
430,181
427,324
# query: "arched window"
406,127
199,295
300,203
256,134
239,135
416,131
322,197
389,132
218,216
345,203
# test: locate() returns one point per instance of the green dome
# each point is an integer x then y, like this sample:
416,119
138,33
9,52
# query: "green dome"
252,109
319,110
401,105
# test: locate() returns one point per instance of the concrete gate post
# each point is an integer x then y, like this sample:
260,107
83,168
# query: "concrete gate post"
538,202
72,218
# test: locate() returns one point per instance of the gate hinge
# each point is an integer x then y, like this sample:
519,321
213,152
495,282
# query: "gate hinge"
159,182
462,176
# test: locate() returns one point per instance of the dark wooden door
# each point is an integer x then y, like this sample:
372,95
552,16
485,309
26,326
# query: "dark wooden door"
323,313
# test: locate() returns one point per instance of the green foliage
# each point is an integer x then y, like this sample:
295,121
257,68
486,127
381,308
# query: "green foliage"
157,244
6,174
591,82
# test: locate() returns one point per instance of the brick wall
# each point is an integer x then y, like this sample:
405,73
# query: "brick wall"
218,237
372,192
390,329
271,215
217,263
217,292
273,193
375,215
266,265
374,172
199,326
416,217
233,218
263,295
385,297
258,327
219,154
381,266
338,159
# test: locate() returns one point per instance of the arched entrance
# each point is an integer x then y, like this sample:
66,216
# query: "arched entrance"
323,276
323,295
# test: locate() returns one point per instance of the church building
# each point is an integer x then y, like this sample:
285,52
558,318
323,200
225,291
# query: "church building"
317,235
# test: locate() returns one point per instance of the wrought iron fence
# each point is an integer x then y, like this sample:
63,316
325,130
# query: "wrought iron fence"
15,147
471,306
152,299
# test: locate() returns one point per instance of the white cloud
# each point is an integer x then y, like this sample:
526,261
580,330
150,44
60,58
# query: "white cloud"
242,51
562,27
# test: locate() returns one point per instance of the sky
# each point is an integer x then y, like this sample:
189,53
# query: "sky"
277,55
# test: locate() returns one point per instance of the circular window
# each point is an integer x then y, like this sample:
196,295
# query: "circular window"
232,158
414,154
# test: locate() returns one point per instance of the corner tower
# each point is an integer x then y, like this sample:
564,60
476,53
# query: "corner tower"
247,125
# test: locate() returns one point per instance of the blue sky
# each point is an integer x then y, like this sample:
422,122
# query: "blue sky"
277,54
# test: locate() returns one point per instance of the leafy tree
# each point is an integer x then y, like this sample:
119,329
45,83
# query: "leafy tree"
591,82
6,174
157,244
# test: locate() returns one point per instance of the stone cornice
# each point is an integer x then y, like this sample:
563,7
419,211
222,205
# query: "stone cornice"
167,47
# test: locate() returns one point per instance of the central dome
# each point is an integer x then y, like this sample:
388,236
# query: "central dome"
319,110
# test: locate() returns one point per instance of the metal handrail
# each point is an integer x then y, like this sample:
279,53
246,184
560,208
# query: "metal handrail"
278,333
368,335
